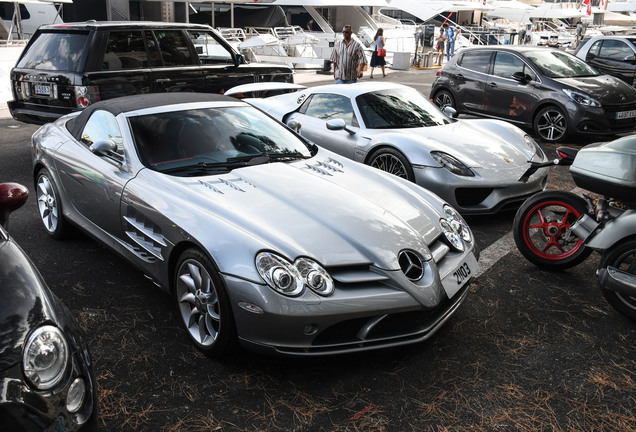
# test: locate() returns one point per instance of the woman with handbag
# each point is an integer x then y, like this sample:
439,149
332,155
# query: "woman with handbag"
377,58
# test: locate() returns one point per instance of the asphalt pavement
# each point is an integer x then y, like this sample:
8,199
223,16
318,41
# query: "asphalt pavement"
528,350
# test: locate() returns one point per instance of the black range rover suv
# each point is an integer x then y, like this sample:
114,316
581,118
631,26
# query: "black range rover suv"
66,67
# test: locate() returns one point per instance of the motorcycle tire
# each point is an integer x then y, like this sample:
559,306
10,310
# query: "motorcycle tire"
541,230
622,256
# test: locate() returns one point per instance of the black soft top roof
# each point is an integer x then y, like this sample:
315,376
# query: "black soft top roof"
124,104
91,24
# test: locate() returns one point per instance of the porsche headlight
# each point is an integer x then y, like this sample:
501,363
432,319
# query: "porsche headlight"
290,279
45,357
452,164
582,98
458,223
279,274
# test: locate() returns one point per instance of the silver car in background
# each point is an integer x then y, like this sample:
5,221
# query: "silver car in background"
260,236
475,165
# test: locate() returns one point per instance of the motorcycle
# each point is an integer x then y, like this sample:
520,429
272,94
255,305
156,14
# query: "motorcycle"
557,230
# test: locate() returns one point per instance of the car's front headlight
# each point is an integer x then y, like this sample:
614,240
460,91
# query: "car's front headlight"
582,98
290,279
455,228
45,357
535,149
452,164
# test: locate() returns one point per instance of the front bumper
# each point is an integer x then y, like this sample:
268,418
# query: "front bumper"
476,195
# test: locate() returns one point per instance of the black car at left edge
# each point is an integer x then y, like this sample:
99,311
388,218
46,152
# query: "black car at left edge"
547,89
46,377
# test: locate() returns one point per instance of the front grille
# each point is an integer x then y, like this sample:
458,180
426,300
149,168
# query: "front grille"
621,124
467,197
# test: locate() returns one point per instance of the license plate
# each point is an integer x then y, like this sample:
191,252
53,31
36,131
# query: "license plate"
625,114
42,89
460,276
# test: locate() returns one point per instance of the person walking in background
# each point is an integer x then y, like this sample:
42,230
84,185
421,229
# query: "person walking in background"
348,58
376,59
439,47
310,25
450,40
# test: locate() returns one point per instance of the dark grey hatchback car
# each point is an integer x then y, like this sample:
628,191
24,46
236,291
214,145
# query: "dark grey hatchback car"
547,89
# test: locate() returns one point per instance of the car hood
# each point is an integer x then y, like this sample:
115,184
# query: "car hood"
604,88
479,143
25,304
328,208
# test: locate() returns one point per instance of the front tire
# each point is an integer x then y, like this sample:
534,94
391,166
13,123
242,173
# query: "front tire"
50,206
623,257
203,304
550,124
541,230
392,161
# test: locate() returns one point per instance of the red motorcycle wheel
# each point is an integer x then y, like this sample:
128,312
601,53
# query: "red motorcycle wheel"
542,233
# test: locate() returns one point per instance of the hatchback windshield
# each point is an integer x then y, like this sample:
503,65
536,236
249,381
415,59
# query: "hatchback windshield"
398,108
213,139
557,64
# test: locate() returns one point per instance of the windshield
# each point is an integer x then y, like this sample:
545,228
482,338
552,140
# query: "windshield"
558,64
213,139
398,108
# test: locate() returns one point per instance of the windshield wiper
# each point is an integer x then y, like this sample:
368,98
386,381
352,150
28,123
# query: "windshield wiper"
228,165
287,156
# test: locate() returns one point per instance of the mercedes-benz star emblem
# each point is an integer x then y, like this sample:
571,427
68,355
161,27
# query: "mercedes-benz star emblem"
411,265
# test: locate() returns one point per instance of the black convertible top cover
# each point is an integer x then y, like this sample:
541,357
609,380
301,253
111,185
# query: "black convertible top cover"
124,104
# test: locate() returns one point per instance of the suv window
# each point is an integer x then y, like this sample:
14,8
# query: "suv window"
476,60
507,64
331,106
174,48
125,50
208,48
55,51
102,126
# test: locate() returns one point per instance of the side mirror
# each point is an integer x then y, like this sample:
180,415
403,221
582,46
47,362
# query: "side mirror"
103,147
450,111
240,59
294,125
336,124
521,77
12,197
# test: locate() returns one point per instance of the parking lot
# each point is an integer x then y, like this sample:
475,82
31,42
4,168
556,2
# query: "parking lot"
529,350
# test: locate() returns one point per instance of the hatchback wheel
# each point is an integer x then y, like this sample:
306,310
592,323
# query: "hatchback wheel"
444,99
550,124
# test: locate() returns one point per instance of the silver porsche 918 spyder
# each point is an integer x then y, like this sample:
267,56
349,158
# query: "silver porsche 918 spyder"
260,236
476,165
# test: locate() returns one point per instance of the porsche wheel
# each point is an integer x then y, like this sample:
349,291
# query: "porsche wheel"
392,161
49,205
551,124
203,304
623,257
541,230
443,99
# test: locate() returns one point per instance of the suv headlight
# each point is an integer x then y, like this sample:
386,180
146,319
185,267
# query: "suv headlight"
290,279
582,98
452,164
45,357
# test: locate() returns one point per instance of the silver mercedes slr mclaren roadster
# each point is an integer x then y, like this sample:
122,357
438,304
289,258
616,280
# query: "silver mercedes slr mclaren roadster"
261,237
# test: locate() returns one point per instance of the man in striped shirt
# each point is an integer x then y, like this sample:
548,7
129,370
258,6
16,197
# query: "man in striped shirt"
348,59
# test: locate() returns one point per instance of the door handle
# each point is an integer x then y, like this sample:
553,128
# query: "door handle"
492,84
162,80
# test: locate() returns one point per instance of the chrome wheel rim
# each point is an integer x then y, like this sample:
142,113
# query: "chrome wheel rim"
443,100
551,125
47,204
391,164
198,302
